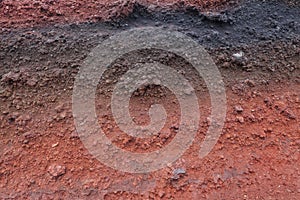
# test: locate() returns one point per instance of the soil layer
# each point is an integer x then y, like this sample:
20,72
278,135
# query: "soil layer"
43,45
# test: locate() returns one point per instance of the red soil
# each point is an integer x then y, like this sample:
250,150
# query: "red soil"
255,158
28,12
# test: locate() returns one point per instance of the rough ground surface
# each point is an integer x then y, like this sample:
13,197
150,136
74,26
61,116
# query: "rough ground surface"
28,12
257,156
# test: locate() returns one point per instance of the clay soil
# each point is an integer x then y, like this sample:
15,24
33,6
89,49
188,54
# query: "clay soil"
43,45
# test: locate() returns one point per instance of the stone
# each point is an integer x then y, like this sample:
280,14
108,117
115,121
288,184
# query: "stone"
288,113
32,82
177,173
238,55
161,193
238,108
11,76
240,119
56,170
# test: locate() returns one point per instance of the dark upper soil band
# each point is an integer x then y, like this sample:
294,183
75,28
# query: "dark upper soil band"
265,31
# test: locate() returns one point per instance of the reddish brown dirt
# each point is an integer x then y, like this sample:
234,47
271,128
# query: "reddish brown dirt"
42,157
18,13
255,158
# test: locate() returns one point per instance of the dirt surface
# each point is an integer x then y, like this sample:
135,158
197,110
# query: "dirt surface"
42,49
28,12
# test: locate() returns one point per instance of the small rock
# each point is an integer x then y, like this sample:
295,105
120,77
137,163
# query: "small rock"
188,91
5,92
217,17
5,112
44,8
62,115
238,108
23,119
268,102
251,117
226,64
161,193
240,119
32,82
55,145
13,116
11,76
29,135
59,108
280,106
177,173
288,113
239,55
261,134
56,170
25,141
250,83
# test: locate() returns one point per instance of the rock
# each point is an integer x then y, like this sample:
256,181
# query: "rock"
25,141
13,116
177,173
288,113
250,83
240,60
226,65
238,108
5,112
238,55
11,77
32,82
62,115
260,134
161,193
23,119
29,135
55,145
251,117
280,106
268,102
59,108
240,119
188,91
5,92
217,17
56,170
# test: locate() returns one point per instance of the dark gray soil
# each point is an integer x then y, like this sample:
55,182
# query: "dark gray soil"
256,27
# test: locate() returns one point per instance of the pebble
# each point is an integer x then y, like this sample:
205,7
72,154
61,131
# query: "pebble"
288,113
56,170
29,135
5,112
55,145
161,193
238,55
260,134
240,119
238,108
32,82
11,76
178,172
250,83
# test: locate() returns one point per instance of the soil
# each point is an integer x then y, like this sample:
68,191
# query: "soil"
43,45
28,12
